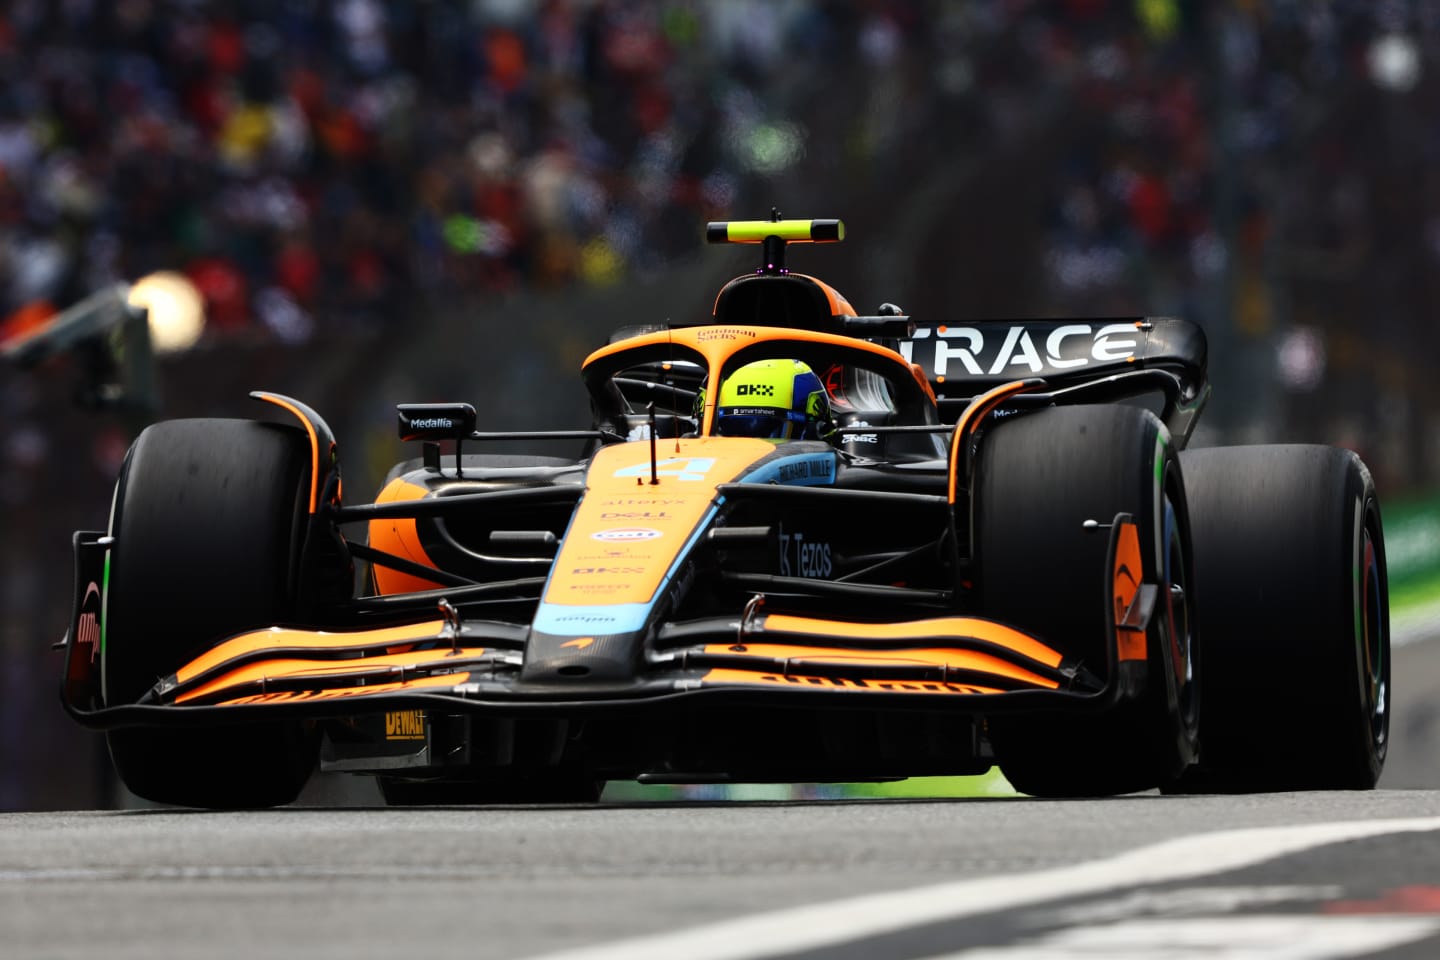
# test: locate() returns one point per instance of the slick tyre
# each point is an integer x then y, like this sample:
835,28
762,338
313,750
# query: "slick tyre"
1290,559
1038,479
207,521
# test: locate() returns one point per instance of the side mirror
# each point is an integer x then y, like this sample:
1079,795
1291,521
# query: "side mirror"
435,421
882,326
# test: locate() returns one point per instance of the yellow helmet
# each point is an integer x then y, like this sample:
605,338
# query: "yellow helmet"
773,400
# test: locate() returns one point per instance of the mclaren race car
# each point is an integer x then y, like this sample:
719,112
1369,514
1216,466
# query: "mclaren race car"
796,543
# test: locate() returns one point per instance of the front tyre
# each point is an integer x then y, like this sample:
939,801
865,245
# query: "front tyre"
207,522
1039,477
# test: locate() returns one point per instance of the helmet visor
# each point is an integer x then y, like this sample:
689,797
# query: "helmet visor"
763,422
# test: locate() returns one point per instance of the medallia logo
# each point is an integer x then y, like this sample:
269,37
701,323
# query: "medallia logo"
625,534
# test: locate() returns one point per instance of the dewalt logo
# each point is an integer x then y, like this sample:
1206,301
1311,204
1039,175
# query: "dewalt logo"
405,725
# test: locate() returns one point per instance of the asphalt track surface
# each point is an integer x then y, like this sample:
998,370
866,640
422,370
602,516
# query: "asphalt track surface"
1276,876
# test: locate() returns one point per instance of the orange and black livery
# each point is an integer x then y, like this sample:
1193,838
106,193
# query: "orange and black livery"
795,542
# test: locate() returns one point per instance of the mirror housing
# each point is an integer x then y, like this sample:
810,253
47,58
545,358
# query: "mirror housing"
435,421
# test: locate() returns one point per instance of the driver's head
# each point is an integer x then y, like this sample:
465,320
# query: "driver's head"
773,400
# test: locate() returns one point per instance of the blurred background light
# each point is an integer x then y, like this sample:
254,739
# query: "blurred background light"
773,147
1394,62
177,311
1301,359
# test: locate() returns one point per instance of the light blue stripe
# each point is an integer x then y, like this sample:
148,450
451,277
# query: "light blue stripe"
556,618
800,470
565,620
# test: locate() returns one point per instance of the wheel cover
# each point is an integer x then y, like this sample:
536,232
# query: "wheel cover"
1179,634
1370,636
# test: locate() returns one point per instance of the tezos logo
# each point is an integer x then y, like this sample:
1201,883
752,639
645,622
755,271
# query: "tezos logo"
804,558
616,534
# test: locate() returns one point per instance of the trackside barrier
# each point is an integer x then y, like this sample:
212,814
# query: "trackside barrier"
1412,551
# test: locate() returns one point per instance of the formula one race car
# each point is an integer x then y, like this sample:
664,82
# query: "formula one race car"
798,544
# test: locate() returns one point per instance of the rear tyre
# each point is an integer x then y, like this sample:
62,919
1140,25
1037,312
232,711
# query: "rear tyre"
1290,555
1038,478
207,522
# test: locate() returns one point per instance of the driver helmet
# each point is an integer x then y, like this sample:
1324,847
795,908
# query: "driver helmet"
773,400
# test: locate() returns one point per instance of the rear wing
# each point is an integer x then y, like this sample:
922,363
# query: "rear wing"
974,356
1082,360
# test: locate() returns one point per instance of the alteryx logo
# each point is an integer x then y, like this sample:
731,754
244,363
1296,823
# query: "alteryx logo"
625,534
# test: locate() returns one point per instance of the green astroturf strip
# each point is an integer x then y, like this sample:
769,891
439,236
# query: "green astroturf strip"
1415,593
990,784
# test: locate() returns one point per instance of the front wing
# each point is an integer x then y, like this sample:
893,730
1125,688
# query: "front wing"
454,665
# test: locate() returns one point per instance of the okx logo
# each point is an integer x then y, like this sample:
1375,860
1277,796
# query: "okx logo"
755,390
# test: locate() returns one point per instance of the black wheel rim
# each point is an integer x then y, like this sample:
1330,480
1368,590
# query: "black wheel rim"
1176,580
1370,635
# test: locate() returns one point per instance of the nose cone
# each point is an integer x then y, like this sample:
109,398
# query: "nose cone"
571,660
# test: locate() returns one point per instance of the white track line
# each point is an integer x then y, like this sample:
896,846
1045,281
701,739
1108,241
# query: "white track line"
841,921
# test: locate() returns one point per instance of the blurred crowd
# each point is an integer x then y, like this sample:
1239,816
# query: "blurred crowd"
1264,168
326,161
330,170
320,161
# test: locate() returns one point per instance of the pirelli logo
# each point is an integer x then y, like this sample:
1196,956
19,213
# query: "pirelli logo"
405,725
